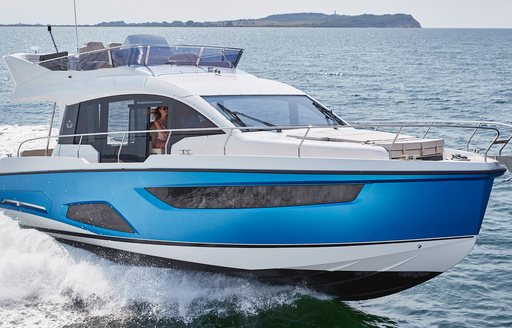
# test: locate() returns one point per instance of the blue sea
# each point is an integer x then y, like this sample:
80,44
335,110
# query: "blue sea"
362,74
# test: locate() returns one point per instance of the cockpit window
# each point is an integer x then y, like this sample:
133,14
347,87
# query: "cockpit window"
120,128
256,111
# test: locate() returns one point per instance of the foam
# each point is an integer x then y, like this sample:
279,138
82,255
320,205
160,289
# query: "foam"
57,283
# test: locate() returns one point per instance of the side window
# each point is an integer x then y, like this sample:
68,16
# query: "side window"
106,116
91,119
119,121
184,117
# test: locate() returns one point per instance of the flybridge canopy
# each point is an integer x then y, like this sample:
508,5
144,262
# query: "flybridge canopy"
141,50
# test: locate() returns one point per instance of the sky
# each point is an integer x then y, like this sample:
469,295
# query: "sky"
430,13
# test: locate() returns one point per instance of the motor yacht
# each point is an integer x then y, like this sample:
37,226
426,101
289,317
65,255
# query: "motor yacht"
171,155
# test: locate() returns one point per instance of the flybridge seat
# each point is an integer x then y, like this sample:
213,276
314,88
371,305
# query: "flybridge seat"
58,61
403,147
141,50
93,56
91,46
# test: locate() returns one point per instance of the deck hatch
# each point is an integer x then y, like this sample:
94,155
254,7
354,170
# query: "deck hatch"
99,215
222,197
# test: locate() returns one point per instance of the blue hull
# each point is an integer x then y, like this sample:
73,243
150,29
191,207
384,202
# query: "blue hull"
388,208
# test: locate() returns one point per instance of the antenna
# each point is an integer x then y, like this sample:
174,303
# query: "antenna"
53,40
76,27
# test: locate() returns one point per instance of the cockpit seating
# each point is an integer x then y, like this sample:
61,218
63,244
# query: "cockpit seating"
93,56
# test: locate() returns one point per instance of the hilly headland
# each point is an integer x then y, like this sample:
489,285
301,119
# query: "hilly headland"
282,20
294,20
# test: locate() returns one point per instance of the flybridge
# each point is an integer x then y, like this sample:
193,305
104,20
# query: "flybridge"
139,50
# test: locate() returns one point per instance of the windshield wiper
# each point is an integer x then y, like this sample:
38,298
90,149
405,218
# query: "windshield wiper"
258,120
235,117
254,119
329,115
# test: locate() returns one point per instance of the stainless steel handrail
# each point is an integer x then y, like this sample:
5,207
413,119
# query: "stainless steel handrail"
50,130
120,147
476,125
394,140
471,137
427,131
79,145
227,139
489,126
302,141
170,131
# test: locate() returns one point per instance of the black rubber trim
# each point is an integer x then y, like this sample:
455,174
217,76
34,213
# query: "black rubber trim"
495,172
191,244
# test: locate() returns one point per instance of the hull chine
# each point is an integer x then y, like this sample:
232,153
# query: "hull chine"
344,285
348,272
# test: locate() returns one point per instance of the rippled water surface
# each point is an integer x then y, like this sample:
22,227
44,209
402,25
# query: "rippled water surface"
427,74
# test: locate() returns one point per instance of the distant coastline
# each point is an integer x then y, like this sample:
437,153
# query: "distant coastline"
280,20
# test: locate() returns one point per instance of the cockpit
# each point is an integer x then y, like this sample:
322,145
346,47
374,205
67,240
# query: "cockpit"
121,128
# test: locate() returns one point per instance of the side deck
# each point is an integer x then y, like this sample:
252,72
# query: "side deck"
338,142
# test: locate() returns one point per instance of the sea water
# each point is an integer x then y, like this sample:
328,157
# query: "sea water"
425,74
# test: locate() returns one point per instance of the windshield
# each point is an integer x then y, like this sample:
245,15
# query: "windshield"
273,111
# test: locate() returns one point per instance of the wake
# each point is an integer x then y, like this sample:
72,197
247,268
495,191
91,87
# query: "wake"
57,284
